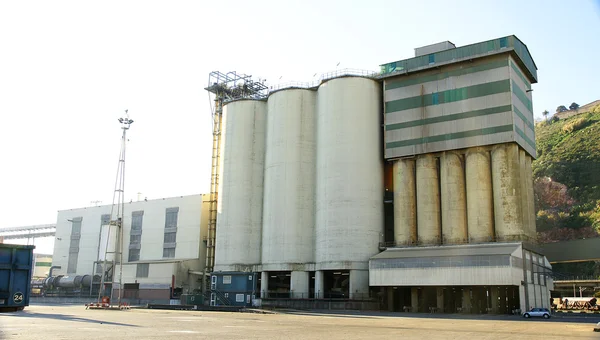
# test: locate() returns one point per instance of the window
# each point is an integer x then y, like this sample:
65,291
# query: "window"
74,244
135,235
432,58
170,233
136,220
168,252
239,297
142,270
134,255
171,217
503,42
226,279
170,237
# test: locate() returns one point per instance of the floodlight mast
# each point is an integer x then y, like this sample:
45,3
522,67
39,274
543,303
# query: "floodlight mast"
117,211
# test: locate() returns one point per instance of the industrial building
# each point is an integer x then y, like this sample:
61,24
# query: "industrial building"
413,184
163,248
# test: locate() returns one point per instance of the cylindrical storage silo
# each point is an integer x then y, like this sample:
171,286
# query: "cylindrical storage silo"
405,203
289,183
525,200
239,205
454,205
428,201
528,179
349,183
507,192
480,200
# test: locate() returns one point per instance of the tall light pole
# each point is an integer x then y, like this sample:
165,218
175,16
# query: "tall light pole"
119,214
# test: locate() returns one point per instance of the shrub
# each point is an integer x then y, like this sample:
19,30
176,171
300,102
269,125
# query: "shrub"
575,125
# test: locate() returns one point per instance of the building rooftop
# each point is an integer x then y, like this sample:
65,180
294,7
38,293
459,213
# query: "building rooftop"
510,44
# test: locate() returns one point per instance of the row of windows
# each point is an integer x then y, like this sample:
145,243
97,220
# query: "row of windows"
135,236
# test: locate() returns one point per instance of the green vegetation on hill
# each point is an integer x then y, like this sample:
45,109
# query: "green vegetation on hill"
567,177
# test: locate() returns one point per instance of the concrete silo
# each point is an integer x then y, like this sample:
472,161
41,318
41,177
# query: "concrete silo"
240,201
289,189
405,203
428,201
453,192
349,183
506,181
480,204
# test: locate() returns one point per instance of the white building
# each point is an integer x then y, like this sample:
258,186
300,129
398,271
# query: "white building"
163,248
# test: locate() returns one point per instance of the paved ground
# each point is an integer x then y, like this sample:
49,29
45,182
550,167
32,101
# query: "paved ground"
74,322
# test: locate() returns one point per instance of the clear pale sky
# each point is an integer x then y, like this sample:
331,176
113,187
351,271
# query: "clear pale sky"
68,70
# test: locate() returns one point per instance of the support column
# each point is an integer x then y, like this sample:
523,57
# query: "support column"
264,284
454,206
319,285
440,299
480,204
466,300
508,209
428,201
299,285
359,284
495,297
414,299
390,298
405,203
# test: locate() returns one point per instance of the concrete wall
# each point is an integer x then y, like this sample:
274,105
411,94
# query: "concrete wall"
483,102
189,243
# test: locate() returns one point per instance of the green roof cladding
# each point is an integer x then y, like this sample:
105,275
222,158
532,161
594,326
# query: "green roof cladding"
478,50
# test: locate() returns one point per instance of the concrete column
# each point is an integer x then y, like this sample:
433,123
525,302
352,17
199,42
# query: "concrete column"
299,284
508,209
495,297
480,204
454,205
359,284
414,300
319,284
390,298
428,201
528,179
440,299
466,301
264,284
405,202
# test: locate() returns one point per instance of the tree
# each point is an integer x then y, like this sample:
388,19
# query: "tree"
545,114
561,108
573,106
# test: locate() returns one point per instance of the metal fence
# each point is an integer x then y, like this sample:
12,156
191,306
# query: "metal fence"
346,72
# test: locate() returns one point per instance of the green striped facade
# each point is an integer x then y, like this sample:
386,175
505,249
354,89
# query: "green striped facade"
462,105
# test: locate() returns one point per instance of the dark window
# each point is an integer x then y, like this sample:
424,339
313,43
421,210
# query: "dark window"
168,252
134,255
74,244
142,270
170,237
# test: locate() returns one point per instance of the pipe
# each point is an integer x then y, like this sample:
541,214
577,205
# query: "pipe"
52,269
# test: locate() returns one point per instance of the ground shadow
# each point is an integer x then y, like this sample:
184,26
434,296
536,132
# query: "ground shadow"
570,318
66,317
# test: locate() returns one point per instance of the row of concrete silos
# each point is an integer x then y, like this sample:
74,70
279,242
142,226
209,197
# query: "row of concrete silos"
480,194
301,179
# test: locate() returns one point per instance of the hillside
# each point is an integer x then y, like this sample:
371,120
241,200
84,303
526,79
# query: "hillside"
567,177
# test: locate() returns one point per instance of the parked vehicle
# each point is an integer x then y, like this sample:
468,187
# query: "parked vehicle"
537,312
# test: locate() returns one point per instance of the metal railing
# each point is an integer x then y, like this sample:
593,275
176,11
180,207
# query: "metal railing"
347,72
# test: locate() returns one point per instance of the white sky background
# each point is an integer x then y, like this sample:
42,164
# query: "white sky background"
68,70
